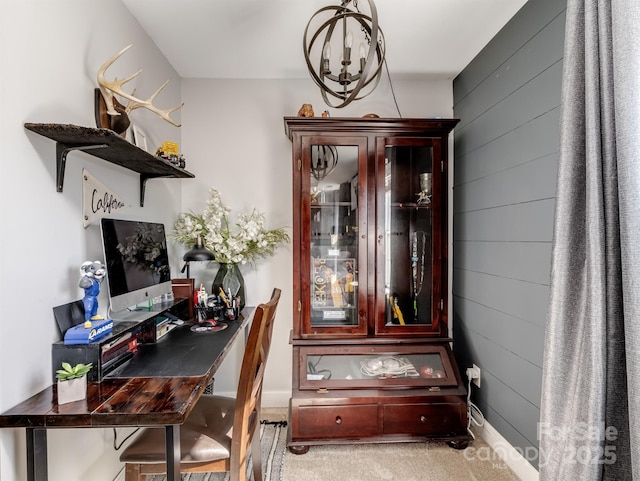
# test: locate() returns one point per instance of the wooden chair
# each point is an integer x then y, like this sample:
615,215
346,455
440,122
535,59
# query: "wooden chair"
220,432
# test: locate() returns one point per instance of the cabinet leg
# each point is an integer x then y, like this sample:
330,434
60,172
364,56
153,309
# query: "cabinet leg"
298,449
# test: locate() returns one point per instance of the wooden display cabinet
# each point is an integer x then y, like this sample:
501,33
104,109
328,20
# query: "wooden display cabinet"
371,353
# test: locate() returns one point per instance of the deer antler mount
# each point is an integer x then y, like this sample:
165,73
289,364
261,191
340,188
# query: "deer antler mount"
117,112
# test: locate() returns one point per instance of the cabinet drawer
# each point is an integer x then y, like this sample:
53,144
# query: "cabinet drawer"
424,419
337,421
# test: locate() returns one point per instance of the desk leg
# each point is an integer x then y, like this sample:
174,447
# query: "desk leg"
37,454
172,446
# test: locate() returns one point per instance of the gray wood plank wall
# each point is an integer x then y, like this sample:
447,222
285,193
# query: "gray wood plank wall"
505,160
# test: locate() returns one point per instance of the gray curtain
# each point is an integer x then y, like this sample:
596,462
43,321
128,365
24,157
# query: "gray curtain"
590,412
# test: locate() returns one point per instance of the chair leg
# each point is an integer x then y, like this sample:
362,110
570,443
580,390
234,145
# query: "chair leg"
132,472
256,455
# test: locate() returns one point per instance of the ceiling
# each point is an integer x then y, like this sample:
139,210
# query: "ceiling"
260,39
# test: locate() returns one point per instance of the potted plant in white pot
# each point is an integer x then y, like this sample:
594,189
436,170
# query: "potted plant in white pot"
72,382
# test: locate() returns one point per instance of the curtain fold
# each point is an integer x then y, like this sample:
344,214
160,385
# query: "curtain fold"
589,427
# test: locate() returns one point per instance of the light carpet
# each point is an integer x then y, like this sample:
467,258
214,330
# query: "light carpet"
431,461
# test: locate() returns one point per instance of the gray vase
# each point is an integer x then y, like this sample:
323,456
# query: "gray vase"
229,277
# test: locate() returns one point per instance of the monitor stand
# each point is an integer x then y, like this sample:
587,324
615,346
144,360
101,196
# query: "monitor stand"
140,313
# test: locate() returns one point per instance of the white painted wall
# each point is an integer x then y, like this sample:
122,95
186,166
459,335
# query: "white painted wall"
50,52
233,139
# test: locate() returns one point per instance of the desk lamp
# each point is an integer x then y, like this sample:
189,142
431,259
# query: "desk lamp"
198,253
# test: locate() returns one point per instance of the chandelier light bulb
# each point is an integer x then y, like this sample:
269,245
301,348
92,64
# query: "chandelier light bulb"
363,50
348,40
326,52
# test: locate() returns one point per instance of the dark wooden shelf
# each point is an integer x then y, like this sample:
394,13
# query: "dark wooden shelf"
106,145
330,204
410,205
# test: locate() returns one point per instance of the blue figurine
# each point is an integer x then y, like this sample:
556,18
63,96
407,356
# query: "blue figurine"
92,275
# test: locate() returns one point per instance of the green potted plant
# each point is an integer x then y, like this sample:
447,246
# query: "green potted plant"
72,382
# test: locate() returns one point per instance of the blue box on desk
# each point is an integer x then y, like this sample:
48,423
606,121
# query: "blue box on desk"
84,335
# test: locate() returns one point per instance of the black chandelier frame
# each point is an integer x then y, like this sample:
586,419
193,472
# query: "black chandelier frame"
348,90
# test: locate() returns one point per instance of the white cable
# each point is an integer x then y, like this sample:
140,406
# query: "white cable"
388,366
474,414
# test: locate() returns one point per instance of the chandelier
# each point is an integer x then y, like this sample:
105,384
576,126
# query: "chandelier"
324,158
338,28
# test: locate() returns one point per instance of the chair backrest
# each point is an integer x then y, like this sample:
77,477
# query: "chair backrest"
249,395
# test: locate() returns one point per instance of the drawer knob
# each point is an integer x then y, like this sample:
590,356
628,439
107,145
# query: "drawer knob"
423,418
338,420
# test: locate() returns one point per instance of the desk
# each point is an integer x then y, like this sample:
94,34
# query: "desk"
158,387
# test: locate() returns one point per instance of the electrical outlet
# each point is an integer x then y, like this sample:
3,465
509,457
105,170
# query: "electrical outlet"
473,373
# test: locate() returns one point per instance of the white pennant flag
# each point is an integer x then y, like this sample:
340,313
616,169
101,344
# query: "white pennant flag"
98,200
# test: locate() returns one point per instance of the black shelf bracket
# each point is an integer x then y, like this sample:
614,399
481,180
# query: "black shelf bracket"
62,150
143,184
107,145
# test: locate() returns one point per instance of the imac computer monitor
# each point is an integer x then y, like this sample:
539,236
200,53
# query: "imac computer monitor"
137,262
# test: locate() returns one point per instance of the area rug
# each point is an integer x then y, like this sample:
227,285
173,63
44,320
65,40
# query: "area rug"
273,436
421,461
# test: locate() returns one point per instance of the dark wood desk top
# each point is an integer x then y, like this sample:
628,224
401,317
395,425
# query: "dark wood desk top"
159,386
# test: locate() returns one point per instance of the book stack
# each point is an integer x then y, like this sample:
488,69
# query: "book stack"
163,326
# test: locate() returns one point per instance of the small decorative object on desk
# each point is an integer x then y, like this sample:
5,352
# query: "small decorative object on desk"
93,273
72,382
212,312
95,326
249,243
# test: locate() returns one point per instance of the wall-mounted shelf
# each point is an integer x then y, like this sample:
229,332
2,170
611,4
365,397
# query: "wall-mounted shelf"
107,145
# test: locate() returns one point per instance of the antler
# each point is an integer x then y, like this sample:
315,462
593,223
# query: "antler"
108,88
135,103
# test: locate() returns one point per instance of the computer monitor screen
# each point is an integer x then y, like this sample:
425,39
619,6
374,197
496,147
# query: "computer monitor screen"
137,261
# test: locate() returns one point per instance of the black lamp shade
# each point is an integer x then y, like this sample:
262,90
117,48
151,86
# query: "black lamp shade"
198,253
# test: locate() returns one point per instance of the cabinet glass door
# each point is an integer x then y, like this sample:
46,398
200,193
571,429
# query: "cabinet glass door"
411,199
362,367
334,251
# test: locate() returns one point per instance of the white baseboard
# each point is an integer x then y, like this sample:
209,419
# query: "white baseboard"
507,453
276,399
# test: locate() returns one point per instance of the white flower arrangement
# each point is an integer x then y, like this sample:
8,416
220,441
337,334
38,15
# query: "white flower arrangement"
249,243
